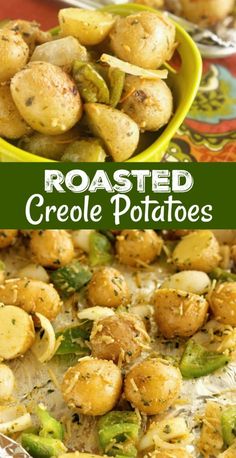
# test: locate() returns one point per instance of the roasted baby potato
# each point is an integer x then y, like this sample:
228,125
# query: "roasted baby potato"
7,237
50,146
90,27
144,39
108,288
30,32
120,337
93,386
206,13
16,332
118,131
148,102
47,98
52,248
178,313
222,301
137,248
14,54
197,251
152,386
32,296
12,125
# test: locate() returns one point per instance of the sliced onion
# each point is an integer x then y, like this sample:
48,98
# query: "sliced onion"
44,346
14,419
171,429
95,313
81,239
131,69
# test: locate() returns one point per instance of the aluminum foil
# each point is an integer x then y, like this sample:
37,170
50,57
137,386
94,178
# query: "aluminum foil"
9,448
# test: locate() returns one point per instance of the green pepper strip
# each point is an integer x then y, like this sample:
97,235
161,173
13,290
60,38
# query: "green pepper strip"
197,361
73,339
50,427
117,81
91,85
71,278
100,249
228,425
222,275
121,430
42,447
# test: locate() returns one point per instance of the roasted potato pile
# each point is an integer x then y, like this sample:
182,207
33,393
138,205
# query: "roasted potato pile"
89,92
114,327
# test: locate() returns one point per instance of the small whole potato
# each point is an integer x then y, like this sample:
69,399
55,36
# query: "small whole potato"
117,130
206,13
7,237
12,125
222,302
197,251
32,296
144,39
51,248
120,337
148,102
152,386
7,382
14,54
46,97
93,386
192,281
138,247
108,288
179,313
176,453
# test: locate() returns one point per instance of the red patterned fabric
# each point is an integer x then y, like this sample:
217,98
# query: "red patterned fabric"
209,132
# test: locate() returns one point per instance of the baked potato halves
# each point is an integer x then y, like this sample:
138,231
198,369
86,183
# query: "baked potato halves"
14,54
206,12
179,313
144,39
17,332
12,125
46,97
148,102
118,131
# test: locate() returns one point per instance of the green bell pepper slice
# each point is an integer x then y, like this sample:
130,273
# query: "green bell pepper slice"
222,275
50,427
74,338
197,361
91,85
42,447
71,278
228,425
121,429
100,249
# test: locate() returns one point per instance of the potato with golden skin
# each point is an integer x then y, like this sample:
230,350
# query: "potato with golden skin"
12,125
30,32
7,237
199,250
222,302
148,102
152,386
32,296
14,54
52,248
46,98
175,453
118,132
120,337
108,288
93,386
144,39
17,332
206,13
138,247
179,313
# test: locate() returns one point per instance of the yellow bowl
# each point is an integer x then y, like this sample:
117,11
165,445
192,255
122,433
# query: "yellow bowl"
184,85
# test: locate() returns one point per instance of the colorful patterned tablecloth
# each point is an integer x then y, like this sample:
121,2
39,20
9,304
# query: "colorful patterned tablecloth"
209,132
